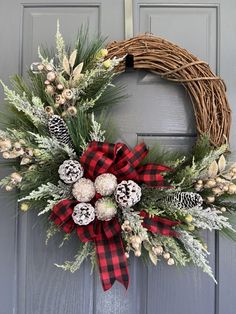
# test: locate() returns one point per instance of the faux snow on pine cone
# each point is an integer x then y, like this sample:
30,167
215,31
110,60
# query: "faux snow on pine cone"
58,129
128,193
84,190
83,214
105,209
70,171
105,184
183,200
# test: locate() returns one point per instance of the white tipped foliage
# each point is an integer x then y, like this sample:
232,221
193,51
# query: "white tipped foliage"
196,251
97,134
36,113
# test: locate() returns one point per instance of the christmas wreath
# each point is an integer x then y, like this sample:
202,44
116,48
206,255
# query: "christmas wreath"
118,200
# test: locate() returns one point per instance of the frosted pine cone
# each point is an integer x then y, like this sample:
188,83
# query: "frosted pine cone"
83,214
84,190
105,184
182,200
58,129
70,171
128,193
105,208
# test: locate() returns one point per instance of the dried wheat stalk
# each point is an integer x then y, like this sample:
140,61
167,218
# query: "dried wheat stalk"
207,91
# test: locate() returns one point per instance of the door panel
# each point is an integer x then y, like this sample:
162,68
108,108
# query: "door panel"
156,111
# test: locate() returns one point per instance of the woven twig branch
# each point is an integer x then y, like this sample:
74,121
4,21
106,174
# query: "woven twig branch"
207,91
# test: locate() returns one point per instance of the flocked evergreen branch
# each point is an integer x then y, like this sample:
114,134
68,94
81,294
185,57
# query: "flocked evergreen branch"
188,174
196,251
50,146
209,218
60,46
172,246
86,251
96,134
43,59
35,113
50,204
135,221
52,230
51,191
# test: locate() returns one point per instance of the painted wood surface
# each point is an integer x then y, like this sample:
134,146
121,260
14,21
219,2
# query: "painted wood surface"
155,111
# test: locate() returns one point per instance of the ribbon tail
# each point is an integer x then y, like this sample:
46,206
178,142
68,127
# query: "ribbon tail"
61,215
159,225
112,261
151,174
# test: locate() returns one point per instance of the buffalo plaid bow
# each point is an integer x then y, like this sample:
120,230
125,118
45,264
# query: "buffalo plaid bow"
124,163
159,225
107,238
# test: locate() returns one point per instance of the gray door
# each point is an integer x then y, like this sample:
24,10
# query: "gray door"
156,111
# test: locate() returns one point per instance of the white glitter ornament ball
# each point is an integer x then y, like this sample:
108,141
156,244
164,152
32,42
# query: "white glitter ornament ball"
83,214
70,171
84,190
105,184
128,193
105,209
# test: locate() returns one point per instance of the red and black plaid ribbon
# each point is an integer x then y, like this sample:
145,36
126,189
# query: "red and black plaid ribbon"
159,225
124,163
107,238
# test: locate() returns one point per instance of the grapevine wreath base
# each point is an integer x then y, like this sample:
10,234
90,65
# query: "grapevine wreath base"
171,62
118,200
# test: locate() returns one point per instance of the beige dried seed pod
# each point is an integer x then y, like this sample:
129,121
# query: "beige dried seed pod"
136,239
6,155
40,67
60,87
50,89
232,189
51,76
126,254
225,188
216,191
137,253
210,183
166,255
72,111
67,94
170,261
8,188
198,187
210,199
48,110
5,145
49,67
16,177
158,250
223,209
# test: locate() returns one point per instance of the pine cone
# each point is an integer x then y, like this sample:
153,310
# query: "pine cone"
83,214
128,193
183,200
70,171
58,129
